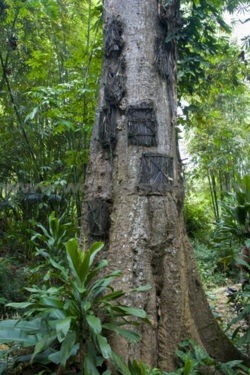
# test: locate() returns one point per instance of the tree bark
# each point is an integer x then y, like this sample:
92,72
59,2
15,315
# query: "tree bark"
134,187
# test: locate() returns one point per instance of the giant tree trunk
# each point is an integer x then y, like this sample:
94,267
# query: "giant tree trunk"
134,189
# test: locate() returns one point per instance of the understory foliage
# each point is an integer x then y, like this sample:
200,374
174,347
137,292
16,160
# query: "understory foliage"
227,254
241,301
65,323
219,244
192,360
66,318
12,279
232,231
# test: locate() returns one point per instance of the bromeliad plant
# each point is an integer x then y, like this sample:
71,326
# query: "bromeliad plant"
70,320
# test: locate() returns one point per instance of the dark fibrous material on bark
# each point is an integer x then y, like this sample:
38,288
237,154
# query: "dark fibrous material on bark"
115,85
107,128
162,13
163,58
98,218
113,42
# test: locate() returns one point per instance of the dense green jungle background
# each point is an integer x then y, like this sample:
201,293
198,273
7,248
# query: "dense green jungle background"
50,63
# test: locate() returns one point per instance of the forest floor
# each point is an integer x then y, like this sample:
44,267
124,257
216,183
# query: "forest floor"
225,306
219,300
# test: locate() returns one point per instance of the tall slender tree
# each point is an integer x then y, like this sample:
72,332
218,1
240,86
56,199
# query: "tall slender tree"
134,187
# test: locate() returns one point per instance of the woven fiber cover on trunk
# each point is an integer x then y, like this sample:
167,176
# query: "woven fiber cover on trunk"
156,173
142,125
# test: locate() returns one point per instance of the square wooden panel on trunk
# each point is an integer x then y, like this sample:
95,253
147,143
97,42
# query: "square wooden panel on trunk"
142,125
156,173
98,217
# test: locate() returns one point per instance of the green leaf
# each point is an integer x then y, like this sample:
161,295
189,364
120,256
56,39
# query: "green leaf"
89,258
81,261
131,311
11,333
139,368
104,346
243,263
143,288
31,115
68,348
93,250
44,342
51,302
86,305
94,323
16,336
62,328
20,305
112,296
55,313
187,370
101,284
63,270
120,364
33,326
94,271
131,336
75,259
63,126
89,366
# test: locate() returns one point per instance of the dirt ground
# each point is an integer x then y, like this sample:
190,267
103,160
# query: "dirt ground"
224,309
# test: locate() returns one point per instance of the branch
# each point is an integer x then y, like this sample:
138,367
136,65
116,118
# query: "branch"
245,21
